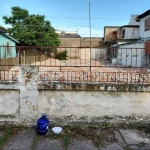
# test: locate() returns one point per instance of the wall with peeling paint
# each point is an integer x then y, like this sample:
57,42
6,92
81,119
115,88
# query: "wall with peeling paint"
72,103
93,104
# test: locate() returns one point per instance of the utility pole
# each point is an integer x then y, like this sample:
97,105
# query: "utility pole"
90,32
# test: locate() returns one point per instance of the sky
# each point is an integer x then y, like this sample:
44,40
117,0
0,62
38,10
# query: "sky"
73,15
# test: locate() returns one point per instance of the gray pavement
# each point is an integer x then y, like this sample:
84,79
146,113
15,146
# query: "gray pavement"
2,133
125,139
21,141
83,145
47,144
113,146
132,137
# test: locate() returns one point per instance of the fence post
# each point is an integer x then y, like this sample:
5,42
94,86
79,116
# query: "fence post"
19,55
28,80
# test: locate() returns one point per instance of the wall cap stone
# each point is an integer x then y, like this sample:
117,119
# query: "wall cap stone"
93,87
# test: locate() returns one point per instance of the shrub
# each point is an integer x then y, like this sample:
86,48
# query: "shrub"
61,55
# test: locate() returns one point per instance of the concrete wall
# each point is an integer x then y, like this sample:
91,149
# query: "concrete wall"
143,33
72,103
96,53
84,53
9,102
70,42
95,42
83,42
96,104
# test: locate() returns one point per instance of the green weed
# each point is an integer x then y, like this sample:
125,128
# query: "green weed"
66,140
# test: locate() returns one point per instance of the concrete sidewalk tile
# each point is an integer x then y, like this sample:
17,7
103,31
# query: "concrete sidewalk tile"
137,148
48,144
21,141
119,137
2,133
83,145
134,136
113,146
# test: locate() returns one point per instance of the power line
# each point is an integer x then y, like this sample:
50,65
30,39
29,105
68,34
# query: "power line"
128,35
96,18
59,26
88,18
76,26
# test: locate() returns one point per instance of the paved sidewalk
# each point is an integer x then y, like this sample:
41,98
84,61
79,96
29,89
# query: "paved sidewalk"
125,139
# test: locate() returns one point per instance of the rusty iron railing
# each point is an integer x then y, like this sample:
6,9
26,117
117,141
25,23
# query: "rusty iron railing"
82,64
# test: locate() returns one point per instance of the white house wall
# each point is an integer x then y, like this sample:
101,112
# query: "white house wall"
130,55
136,32
143,33
131,33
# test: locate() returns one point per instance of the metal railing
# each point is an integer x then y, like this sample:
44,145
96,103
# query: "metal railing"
125,77
79,64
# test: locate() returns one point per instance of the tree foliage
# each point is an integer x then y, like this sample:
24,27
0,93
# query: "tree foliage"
31,29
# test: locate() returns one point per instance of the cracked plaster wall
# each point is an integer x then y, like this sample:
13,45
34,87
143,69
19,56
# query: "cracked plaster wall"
22,103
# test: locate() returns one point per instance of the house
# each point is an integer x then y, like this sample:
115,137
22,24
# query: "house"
110,33
137,53
130,31
73,39
133,54
122,34
69,38
7,44
144,23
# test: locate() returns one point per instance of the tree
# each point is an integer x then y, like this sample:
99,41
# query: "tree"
32,30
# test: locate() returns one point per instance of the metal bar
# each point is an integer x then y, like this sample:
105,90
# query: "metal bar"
19,55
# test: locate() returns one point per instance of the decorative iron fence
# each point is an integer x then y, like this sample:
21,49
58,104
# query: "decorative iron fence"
78,64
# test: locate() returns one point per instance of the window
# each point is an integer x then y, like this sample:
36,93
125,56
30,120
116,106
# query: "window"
123,33
147,24
8,48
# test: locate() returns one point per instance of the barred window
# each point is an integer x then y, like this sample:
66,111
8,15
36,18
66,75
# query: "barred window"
8,48
147,24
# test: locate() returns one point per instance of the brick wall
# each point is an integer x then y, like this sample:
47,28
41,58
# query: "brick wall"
70,42
83,42
94,41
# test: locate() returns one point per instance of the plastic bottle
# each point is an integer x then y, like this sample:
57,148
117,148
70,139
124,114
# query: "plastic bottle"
42,125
